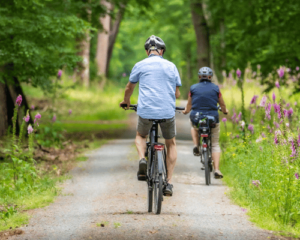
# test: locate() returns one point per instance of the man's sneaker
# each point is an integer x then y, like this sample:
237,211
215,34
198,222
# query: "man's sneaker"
202,167
196,151
168,190
142,172
218,174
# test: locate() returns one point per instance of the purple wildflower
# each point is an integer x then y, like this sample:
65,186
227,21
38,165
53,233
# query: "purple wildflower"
288,104
70,111
253,100
253,111
263,135
38,116
59,74
251,128
36,119
19,100
276,140
244,210
293,148
256,183
124,75
290,112
277,125
32,107
280,72
295,103
297,68
238,73
26,118
224,120
237,136
297,175
29,129
240,116
251,120
277,84
54,118
285,112
273,97
263,101
298,140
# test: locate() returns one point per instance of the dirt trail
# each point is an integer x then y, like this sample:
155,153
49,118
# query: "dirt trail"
104,190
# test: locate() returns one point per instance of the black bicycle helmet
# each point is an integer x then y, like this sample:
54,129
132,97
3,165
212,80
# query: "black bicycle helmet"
205,72
154,43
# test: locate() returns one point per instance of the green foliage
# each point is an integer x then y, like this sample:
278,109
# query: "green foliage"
37,39
170,20
50,135
261,32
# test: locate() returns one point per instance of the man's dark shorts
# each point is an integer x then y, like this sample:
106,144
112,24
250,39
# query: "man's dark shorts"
168,128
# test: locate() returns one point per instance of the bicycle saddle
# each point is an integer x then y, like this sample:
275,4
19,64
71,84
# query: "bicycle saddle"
157,120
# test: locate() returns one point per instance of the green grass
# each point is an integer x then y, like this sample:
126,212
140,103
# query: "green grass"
274,204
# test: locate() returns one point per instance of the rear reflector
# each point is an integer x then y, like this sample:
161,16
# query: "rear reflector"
159,147
204,135
204,145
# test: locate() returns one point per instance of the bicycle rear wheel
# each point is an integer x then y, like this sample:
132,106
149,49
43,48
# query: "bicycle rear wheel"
149,182
207,168
158,193
150,198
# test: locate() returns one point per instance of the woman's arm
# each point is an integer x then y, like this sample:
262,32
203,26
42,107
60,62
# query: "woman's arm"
222,105
188,107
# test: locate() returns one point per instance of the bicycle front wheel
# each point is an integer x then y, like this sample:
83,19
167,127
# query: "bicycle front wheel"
207,168
158,194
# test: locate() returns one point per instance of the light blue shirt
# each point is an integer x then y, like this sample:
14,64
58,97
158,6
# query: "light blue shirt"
158,79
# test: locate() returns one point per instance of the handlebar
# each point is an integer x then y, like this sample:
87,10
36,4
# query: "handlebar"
134,107
220,109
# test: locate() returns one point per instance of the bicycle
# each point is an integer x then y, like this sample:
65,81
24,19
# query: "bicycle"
156,175
205,124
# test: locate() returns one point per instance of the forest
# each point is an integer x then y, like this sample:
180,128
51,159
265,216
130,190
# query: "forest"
64,64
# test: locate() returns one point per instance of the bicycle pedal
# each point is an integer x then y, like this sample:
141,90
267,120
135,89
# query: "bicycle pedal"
167,195
141,177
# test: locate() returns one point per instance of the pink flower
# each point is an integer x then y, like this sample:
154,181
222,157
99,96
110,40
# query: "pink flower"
280,72
251,128
32,107
26,118
297,175
288,104
70,111
38,116
238,73
293,148
224,120
290,112
263,101
29,129
273,97
276,140
19,100
256,183
36,119
253,100
59,74
277,84
124,74
54,118
244,210
263,135
297,68
240,116
295,103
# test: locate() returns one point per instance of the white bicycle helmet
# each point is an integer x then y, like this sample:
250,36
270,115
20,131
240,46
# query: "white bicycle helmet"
154,43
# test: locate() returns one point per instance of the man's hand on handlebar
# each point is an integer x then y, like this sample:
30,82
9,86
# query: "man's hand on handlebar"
185,111
125,102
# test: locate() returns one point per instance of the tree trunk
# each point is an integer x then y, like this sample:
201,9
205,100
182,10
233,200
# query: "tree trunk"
202,34
84,72
3,110
103,42
113,35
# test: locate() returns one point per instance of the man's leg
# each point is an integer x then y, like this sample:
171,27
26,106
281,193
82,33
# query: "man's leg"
140,142
171,157
216,150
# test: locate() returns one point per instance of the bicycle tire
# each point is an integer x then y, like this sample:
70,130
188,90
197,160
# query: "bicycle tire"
158,194
150,198
207,168
149,184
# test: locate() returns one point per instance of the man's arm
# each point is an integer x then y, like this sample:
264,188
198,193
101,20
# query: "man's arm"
222,105
128,92
177,93
188,107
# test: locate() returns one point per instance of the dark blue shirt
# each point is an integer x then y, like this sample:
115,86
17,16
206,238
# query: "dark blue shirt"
205,97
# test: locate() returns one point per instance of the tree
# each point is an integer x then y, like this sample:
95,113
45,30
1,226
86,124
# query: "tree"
37,39
202,33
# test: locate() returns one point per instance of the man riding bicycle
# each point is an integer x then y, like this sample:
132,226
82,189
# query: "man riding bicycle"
159,83
203,99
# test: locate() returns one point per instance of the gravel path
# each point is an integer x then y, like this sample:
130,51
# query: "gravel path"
104,190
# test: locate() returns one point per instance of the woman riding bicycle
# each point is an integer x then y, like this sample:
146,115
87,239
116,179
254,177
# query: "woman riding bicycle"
203,99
